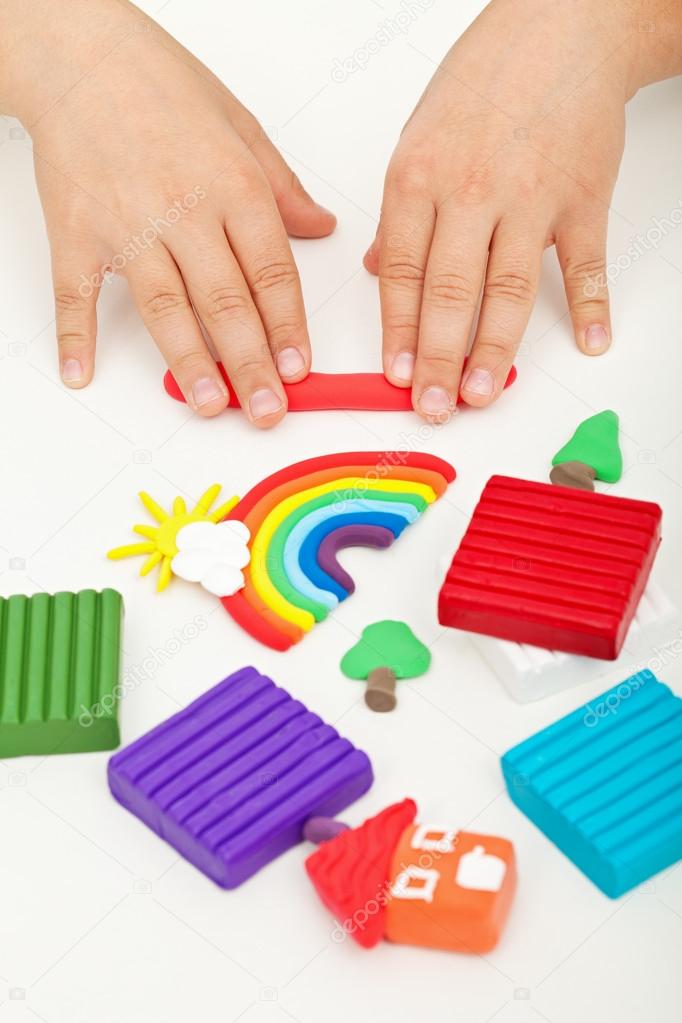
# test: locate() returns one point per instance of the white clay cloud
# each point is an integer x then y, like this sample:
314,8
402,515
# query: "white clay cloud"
213,554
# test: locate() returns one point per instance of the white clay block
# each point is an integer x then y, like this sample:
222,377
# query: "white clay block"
531,672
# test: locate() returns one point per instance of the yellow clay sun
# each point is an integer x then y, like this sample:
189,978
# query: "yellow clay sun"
161,546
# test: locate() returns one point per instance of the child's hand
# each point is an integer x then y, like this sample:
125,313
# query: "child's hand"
146,163
514,146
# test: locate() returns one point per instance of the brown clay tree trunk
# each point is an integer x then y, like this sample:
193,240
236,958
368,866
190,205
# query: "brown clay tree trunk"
380,692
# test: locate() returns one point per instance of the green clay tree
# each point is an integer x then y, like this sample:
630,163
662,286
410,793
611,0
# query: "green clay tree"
592,452
387,651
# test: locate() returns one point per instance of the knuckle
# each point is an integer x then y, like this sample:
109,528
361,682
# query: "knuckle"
586,283
473,189
512,285
409,177
499,349
576,271
402,272
243,177
248,366
295,184
187,362
451,289
274,274
583,301
440,355
290,184
284,331
68,300
405,328
225,300
159,304
527,182
251,129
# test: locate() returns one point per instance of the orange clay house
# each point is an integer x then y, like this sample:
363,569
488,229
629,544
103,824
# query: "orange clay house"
408,883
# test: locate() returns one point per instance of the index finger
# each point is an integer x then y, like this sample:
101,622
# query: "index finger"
259,241
451,290
405,232
222,298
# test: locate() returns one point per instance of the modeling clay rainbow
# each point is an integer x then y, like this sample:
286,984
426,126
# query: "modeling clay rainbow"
297,509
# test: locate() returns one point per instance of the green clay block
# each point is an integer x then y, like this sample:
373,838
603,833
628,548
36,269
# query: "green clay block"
390,645
595,442
59,672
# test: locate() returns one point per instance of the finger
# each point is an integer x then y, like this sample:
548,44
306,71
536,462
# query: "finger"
75,299
222,299
302,216
259,241
510,287
581,248
451,290
371,257
407,222
161,297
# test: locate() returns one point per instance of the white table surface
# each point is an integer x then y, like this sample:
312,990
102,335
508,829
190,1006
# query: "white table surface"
99,919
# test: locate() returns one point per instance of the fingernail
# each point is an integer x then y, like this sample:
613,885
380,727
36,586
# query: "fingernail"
263,403
402,366
479,381
72,371
323,209
435,401
596,337
206,390
290,362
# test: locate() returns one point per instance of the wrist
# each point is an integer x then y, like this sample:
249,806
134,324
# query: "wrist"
655,46
28,45
46,48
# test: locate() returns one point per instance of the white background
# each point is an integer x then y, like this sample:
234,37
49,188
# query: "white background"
100,920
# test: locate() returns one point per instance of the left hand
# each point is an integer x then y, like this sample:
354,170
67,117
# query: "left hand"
514,146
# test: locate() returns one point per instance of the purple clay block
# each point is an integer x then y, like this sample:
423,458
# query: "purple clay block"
349,536
321,829
231,780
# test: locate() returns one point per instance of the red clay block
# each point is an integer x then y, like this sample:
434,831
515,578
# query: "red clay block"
551,566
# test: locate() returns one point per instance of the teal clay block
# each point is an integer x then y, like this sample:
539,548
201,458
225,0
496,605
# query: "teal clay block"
605,783
59,672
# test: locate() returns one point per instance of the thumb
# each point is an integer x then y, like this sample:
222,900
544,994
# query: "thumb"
371,257
301,215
